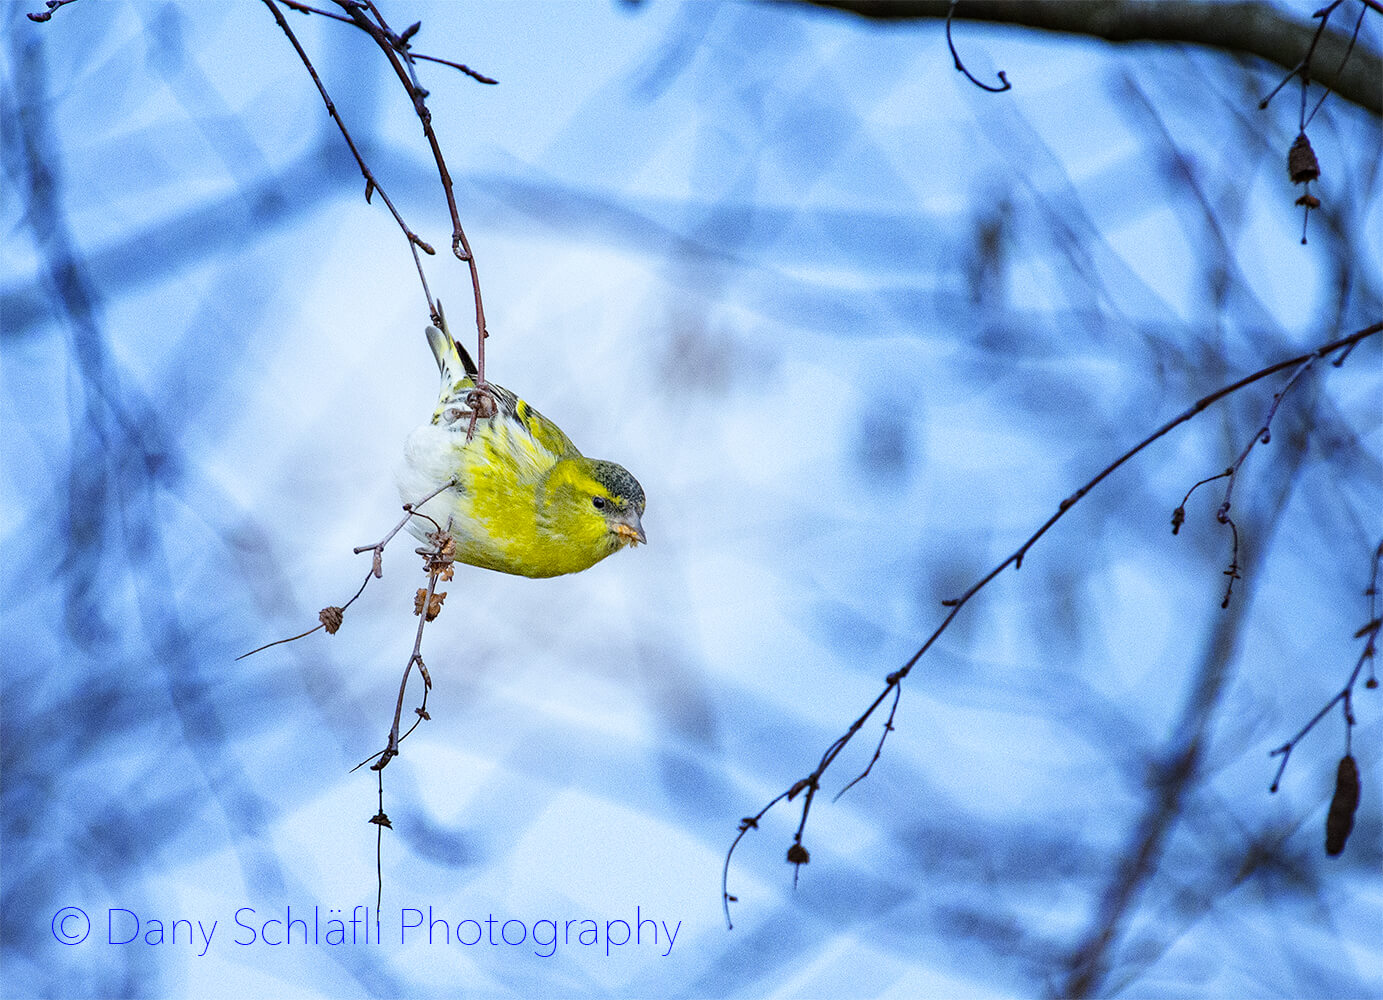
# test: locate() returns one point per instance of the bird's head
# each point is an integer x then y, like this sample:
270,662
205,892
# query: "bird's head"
596,505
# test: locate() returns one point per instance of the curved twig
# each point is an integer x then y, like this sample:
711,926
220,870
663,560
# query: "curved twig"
811,782
415,242
1369,633
375,25
955,57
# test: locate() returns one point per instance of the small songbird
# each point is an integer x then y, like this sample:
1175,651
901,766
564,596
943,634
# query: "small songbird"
525,500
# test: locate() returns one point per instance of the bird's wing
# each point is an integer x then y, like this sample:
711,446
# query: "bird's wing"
458,380
543,431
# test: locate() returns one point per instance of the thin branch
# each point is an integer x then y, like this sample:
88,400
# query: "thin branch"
415,242
391,750
303,8
367,16
1354,37
1262,436
1233,571
53,6
437,562
1241,28
1179,515
1303,68
331,616
473,74
746,824
797,853
879,749
339,611
400,42
410,511
1263,104
955,58
1369,633
380,820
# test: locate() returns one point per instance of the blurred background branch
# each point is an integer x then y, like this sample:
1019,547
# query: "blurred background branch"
1247,28
863,326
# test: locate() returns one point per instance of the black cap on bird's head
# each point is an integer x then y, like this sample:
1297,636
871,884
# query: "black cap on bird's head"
627,494
617,479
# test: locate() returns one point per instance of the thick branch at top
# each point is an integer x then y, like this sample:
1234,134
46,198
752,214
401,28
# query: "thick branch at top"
1248,27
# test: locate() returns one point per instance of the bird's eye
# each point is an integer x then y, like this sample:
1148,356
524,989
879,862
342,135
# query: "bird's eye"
599,502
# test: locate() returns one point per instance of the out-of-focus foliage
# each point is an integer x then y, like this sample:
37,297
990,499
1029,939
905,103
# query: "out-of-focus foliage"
857,327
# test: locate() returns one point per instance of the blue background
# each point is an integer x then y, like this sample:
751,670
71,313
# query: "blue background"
857,327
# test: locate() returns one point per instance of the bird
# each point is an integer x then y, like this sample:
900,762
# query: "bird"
524,500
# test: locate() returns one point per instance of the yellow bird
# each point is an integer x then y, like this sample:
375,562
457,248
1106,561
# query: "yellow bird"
525,500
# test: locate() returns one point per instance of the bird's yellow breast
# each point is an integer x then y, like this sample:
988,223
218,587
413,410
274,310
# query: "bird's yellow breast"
498,513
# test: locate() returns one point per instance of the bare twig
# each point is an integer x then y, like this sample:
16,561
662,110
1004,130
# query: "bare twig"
380,820
474,75
1262,436
1301,147
331,620
1232,571
1349,49
879,748
809,784
365,16
1303,68
1269,32
1344,697
400,42
331,616
955,57
437,563
415,242
1179,515
1263,104
368,18
410,511
425,615
53,6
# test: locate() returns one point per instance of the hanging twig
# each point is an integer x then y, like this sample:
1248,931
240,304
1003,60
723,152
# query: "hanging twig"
809,785
331,616
368,18
1262,436
403,39
955,57
415,242
1344,697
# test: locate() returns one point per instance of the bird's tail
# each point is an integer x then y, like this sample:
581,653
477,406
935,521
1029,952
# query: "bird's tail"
453,361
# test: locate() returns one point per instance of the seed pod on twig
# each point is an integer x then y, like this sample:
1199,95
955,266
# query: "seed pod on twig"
1340,820
434,604
1301,160
331,619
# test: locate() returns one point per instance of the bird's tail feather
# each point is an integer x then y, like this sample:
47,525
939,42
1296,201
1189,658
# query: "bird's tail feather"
453,361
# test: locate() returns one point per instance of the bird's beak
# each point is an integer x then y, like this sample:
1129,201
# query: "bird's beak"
630,529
